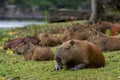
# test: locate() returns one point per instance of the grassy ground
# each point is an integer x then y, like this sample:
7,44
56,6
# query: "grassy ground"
14,66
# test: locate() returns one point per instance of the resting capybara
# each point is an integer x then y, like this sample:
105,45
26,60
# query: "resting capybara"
20,49
37,53
75,55
115,29
13,43
72,33
34,52
104,42
32,39
50,41
103,26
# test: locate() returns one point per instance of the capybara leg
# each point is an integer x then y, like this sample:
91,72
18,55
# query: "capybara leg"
57,67
77,67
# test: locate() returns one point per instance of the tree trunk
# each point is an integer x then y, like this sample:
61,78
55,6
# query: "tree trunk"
97,11
93,14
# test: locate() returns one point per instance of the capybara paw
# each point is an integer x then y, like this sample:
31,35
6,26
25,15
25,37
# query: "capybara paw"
73,69
56,68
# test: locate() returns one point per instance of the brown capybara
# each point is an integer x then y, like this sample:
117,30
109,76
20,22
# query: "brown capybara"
115,29
20,49
37,53
10,44
50,41
76,54
33,52
32,39
103,26
71,33
104,42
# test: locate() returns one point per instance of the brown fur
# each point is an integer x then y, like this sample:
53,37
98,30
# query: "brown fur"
72,33
115,30
50,41
31,39
19,49
37,53
74,52
104,42
13,43
103,26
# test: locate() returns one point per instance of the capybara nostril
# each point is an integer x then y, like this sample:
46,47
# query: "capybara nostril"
58,59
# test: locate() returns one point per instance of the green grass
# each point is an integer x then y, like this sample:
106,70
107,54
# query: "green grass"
13,65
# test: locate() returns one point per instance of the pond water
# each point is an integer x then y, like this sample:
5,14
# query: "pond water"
14,24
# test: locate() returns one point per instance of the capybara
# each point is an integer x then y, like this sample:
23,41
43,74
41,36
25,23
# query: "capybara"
20,49
104,42
72,33
37,53
34,52
13,43
103,26
32,39
50,41
76,54
115,29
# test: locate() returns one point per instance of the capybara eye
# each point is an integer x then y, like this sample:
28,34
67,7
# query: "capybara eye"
68,47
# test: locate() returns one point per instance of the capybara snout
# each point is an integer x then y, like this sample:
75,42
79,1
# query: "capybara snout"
57,58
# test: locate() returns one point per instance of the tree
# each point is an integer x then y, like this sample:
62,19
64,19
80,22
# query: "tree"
97,10
105,10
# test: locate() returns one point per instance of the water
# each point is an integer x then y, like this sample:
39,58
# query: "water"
14,24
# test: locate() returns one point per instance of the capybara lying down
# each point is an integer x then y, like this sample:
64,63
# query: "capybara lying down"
50,41
103,26
38,53
104,42
31,39
12,43
34,52
20,49
75,55
115,29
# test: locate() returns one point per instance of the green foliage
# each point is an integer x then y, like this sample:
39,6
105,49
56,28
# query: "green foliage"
14,66
2,2
46,4
107,32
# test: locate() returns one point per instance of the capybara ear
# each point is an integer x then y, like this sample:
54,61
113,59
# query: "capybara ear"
72,42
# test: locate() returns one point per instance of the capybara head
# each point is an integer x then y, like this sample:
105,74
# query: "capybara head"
75,55
22,48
